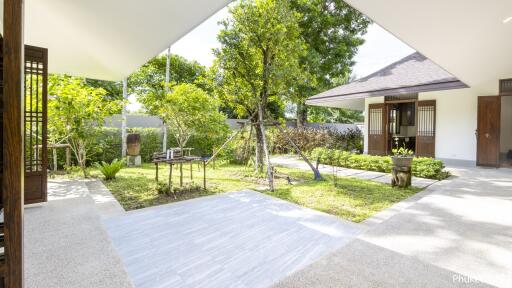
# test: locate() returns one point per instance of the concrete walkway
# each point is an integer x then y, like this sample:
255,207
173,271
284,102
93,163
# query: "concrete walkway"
239,239
458,235
66,245
294,162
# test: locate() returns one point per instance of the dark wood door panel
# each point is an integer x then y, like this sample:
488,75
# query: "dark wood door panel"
426,128
377,129
488,130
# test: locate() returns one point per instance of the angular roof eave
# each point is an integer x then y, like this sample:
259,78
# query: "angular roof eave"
412,74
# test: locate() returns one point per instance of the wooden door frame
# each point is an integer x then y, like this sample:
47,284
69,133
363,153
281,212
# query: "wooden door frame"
13,132
498,134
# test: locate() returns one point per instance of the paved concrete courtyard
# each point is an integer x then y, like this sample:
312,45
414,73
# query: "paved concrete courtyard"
239,239
455,233
458,235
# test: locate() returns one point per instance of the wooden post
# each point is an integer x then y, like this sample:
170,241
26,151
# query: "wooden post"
13,163
68,156
156,172
170,178
204,175
181,174
191,176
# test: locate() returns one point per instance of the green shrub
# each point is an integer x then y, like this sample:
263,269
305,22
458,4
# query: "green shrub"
421,166
307,139
109,171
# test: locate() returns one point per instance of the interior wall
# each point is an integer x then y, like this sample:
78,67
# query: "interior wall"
506,127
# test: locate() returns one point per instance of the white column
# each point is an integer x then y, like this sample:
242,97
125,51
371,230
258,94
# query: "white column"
167,90
123,116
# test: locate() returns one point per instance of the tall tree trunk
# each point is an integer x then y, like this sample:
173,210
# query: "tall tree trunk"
302,114
261,125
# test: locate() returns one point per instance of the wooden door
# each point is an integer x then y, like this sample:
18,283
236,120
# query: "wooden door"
377,129
426,128
488,131
36,152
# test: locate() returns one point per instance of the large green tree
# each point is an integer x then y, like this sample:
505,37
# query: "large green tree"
332,31
189,111
75,112
148,82
258,58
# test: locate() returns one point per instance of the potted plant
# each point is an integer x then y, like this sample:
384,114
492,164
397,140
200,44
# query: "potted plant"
402,157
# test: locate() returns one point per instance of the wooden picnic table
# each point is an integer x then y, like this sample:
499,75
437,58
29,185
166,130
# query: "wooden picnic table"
165,158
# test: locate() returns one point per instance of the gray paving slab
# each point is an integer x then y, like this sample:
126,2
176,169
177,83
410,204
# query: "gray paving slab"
368,175
66,245
104,201
362,264
457,234
240,239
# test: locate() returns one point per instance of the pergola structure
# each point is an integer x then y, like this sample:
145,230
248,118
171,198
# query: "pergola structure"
90,38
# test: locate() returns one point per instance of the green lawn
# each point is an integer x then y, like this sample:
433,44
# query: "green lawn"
351,199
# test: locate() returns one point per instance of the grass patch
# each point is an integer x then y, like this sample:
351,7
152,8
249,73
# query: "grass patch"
351,199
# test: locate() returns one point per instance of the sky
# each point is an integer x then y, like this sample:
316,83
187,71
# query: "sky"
379,50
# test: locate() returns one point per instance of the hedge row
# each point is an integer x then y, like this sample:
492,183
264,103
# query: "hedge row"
421,167
107,145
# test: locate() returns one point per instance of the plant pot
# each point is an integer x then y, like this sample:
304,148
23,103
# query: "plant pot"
133,144
402,161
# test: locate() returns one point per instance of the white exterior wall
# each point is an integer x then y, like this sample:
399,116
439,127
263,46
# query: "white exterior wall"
456,122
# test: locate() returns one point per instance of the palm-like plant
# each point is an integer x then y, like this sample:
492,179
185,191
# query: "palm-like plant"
109,171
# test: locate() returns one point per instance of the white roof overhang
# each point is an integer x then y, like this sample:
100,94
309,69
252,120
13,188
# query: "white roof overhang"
110,39
470,39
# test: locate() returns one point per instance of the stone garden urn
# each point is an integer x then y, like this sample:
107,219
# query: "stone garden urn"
133,144
133,150
401,174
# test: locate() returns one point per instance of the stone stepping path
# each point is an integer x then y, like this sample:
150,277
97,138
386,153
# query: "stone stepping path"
293,162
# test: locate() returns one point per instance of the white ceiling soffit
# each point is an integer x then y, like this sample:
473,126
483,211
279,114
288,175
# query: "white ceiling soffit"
110,39
339,102
470,39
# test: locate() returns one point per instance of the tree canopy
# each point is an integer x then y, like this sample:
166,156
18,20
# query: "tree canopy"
258,59
148,82
76,111
189,111
332,31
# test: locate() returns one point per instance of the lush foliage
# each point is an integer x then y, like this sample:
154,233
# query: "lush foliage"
351,199
308,139
75,112
333,115
332,31
402,152
421,167
110,171
189,111
258,60
149,81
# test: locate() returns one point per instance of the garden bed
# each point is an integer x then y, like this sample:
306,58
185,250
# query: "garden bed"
351,199
421,166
